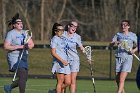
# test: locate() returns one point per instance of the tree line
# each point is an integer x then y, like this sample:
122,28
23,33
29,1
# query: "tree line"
98,20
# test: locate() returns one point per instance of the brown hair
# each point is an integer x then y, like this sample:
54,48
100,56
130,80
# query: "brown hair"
54,28
126,21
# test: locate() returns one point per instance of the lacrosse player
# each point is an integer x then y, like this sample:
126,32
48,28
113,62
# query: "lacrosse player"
14,44
138,72
73,41
60,63
124,57
139,44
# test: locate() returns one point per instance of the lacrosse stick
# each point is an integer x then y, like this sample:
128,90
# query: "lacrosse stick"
124,45
28,35
88,55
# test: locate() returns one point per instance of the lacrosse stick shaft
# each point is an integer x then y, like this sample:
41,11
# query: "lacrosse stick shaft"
136,57
18,65
14,76
88,56
93,82
124,44
28,35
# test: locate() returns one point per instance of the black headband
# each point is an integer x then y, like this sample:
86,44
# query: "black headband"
14,19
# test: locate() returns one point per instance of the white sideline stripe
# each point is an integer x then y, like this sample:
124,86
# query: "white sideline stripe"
30,85
37,85
44,90
5,80
1,86
29,89
53,86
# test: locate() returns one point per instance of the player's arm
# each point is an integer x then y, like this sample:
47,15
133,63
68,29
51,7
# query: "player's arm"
82,48
9,46
111,44
135,45
114,41
134,50
79,43
30,44
53,52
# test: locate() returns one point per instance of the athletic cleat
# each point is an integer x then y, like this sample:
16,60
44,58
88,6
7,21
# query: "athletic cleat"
7,88
52,91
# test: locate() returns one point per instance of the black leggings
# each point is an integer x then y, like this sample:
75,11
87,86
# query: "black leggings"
21,82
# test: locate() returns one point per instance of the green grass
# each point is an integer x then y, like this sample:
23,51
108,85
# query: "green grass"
40,63
84,42
83,86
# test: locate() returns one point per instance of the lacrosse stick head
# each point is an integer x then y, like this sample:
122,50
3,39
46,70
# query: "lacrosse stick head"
28,35
124,45
88,52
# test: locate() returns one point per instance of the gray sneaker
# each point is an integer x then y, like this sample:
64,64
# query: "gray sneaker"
7,88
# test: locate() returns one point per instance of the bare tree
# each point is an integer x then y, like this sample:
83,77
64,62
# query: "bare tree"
53,13
137,14
98,19
42,19
24,13
62,10
3,18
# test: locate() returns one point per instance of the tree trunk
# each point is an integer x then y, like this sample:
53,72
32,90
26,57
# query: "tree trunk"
3,19
42,19
24,14
137,15
62,10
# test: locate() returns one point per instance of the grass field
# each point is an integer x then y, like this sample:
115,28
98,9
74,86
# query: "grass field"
83,86
84,42
40,62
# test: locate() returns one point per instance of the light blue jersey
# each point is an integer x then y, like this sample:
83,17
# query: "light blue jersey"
72,43
16,38
131,38
124,58
60,45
